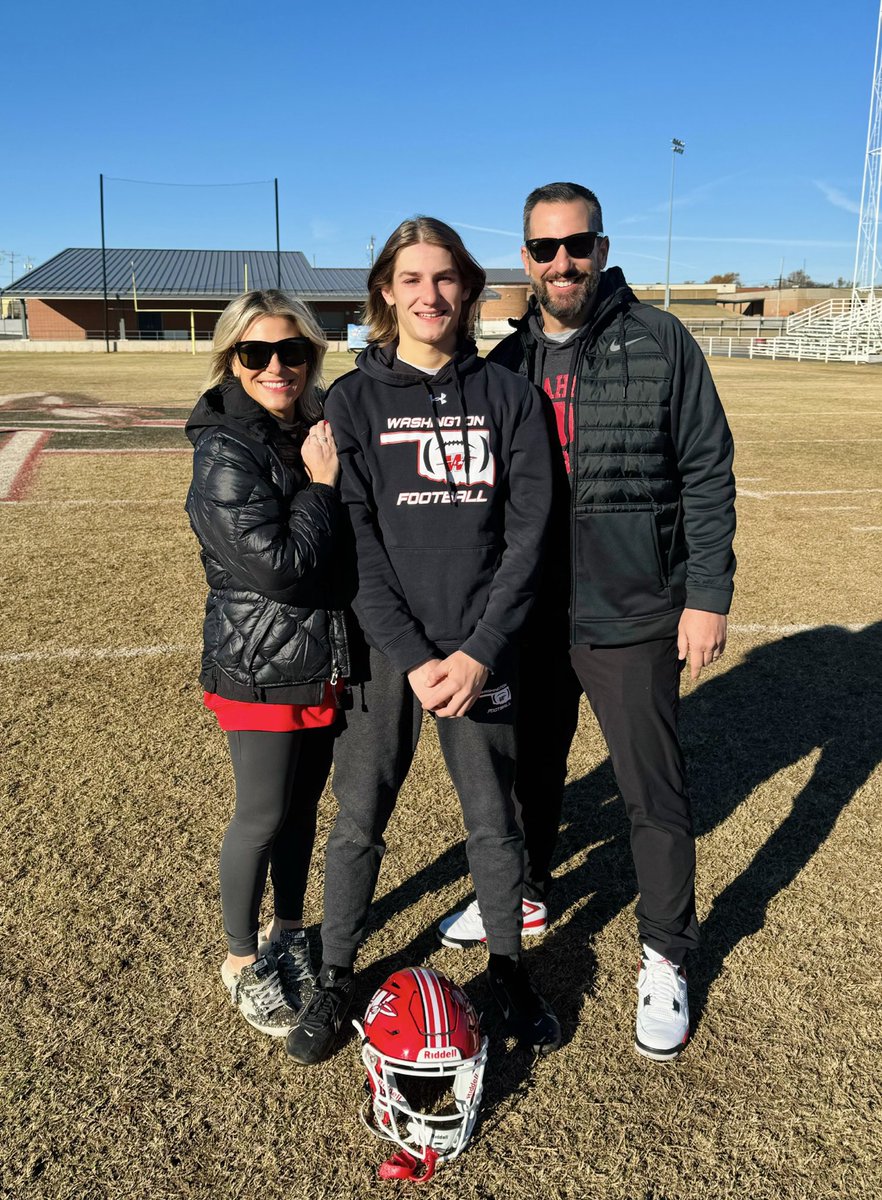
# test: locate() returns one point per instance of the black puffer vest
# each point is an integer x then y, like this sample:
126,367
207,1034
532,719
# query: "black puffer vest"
652,490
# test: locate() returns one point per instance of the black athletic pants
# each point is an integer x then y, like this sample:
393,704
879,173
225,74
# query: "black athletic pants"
372,756
634,692
279,781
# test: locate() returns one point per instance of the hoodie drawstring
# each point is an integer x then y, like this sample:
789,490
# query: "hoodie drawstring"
466,446
439,437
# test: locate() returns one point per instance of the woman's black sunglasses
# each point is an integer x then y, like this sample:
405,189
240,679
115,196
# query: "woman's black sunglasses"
292,352
578,245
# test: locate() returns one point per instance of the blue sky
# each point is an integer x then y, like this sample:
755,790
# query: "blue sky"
369,113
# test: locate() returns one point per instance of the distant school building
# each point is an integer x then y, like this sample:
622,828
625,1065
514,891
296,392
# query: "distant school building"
163,296
167,295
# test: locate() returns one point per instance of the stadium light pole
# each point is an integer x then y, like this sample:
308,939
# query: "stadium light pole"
278,242
677,147
104,266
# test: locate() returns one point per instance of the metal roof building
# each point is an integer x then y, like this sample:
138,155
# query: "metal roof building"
161,294
176,294
77,273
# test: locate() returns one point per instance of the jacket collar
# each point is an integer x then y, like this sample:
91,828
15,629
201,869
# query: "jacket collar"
229,406
613,294
378,362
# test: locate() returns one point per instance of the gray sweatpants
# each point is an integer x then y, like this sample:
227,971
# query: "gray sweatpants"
372,756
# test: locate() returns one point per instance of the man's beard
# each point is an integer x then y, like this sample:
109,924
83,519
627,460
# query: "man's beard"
564,308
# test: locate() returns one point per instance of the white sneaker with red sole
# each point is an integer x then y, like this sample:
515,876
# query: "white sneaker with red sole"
466,928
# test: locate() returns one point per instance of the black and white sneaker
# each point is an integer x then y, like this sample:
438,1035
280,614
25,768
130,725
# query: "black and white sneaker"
318,1025
294,962
528,1016
256,990
662,1008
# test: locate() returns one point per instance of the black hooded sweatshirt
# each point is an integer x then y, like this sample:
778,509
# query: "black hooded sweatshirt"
448,528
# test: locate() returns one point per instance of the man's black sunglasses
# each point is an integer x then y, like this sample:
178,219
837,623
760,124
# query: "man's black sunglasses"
292,352
578,245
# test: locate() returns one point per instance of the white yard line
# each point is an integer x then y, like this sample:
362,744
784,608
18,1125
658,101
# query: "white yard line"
871,412
16,457
9,427
99,653
86,503
786,630
822,492
804,441
867,528
146,450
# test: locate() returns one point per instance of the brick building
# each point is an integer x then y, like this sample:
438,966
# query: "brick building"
170,295
161,295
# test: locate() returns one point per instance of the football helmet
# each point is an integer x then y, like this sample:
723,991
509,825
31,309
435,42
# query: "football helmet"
425,1057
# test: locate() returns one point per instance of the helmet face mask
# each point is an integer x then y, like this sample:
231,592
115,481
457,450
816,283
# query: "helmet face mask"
425,1058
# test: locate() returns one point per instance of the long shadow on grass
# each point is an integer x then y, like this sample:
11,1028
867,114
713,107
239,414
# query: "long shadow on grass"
818,690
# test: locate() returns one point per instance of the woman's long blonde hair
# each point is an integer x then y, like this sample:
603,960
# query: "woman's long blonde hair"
247,308
379,315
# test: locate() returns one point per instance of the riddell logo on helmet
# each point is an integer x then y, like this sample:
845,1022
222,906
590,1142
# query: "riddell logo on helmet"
438,1055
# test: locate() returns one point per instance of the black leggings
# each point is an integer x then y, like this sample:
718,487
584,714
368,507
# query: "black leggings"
279,781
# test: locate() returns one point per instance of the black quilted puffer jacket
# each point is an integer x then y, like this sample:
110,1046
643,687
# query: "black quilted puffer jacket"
268,538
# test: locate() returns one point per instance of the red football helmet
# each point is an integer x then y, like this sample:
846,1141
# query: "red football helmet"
425,1060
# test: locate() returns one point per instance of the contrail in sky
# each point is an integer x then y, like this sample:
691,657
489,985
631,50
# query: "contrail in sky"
485,229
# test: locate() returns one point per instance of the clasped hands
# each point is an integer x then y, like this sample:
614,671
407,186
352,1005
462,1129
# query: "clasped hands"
448,687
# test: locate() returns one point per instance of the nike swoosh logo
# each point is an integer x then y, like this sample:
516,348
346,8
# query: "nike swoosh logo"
615,347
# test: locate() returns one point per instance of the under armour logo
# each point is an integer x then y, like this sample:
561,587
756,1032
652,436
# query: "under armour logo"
442,399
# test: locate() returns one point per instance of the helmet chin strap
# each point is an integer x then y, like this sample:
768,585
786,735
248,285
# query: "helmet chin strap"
404,1166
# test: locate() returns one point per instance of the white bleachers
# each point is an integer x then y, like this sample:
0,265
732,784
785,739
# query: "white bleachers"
841,330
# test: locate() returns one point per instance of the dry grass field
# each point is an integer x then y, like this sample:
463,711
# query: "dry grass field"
124,1071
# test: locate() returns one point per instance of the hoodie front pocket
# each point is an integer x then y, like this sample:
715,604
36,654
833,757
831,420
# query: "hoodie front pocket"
618,568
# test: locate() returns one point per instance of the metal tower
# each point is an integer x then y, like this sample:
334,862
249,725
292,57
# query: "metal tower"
865,326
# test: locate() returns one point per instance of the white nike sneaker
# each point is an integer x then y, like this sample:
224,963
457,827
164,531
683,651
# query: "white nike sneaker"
662,1008
466,928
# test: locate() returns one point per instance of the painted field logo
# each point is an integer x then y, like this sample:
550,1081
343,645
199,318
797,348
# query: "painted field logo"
430,463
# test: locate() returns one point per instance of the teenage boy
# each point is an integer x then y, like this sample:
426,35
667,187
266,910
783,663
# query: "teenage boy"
446,475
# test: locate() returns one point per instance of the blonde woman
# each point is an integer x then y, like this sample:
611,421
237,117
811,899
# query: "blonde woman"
264,506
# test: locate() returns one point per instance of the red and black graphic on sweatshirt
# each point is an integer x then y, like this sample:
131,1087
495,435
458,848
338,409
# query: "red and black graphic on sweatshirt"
560,389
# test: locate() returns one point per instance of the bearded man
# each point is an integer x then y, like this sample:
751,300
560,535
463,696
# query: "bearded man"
638,579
